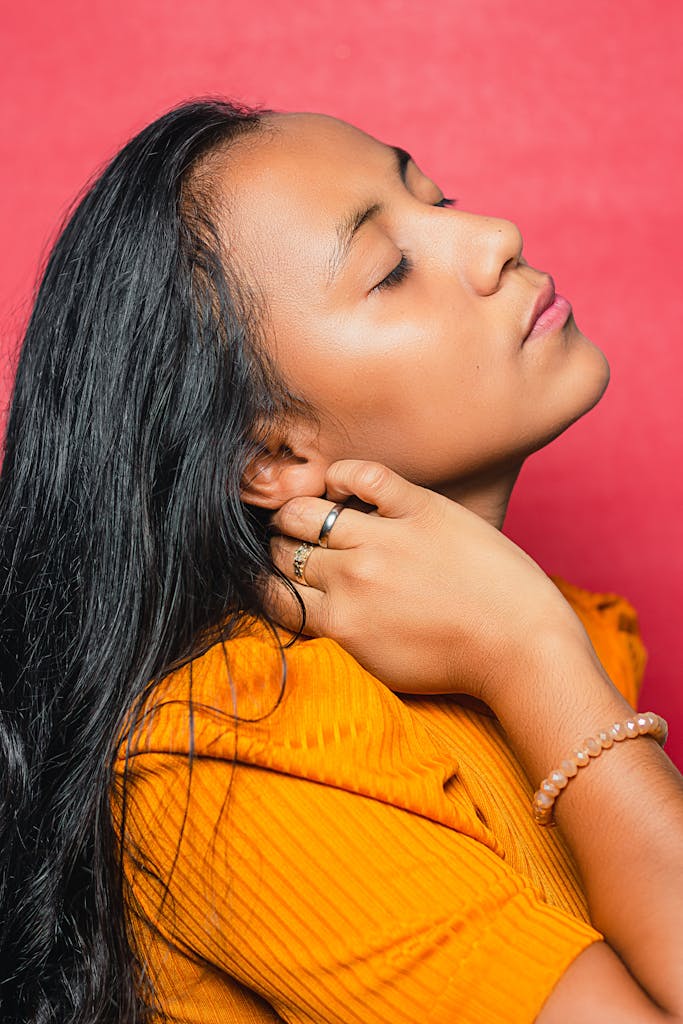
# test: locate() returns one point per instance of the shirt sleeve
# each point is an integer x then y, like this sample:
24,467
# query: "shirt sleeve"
335,907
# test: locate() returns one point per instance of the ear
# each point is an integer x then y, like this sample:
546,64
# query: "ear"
279,473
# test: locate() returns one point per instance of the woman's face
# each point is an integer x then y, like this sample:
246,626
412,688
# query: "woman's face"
400,320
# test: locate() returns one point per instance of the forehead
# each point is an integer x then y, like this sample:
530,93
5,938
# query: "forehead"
297,151
312,141
285,191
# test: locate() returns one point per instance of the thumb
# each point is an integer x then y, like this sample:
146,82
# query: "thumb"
392,495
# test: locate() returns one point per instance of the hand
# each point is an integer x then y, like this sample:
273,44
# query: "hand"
428,596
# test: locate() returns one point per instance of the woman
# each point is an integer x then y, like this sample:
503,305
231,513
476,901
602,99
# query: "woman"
209,815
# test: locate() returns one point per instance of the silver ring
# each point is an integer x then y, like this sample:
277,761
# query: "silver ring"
330,520
301,556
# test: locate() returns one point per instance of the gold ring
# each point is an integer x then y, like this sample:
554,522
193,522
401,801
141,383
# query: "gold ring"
330,520
301,556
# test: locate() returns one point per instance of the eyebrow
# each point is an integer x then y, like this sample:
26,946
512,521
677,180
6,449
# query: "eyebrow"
347,228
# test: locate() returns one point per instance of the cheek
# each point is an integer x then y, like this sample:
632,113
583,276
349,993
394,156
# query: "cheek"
360,369
421,397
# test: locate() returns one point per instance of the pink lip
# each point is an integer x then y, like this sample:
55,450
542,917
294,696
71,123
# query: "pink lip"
549,312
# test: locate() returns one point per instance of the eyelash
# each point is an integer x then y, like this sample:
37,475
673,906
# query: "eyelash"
405,265
400,271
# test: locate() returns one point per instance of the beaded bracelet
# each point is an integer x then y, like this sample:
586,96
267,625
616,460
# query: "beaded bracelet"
647,724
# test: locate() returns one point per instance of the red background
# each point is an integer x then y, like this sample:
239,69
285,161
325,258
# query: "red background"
564,116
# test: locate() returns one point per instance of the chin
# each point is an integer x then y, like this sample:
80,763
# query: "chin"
578,391
581,390
593,380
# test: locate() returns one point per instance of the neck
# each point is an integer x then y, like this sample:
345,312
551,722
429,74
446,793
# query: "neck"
487,495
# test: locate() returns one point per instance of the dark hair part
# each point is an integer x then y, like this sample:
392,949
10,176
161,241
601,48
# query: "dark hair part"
124,546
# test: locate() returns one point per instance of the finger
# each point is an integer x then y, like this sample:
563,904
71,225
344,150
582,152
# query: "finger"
376,485
304,517
282,606
284,550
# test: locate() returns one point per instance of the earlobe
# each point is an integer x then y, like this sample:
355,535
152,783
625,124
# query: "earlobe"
273,477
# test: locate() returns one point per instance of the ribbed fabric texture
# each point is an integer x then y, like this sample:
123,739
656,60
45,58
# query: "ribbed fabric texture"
351,857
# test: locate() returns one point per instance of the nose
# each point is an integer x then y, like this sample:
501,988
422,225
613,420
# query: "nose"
494,244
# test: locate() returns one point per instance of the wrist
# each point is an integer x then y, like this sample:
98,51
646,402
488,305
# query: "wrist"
552,696
545,631
634,727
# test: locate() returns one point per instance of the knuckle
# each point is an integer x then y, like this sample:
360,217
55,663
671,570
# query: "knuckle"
375,477
292,514
364,569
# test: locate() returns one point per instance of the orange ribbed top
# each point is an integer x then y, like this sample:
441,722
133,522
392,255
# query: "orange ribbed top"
353,857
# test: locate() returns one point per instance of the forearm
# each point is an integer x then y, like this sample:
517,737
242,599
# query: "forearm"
622,815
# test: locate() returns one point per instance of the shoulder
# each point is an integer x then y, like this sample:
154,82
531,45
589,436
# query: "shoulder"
254,690
308,712
261,699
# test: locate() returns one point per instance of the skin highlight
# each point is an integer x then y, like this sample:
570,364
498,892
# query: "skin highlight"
425,372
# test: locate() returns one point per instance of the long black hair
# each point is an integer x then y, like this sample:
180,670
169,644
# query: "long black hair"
141,388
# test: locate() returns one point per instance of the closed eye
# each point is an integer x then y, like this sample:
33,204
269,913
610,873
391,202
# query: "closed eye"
405,264
398,274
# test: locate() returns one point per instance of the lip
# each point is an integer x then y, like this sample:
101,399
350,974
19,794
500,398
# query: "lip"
549,312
